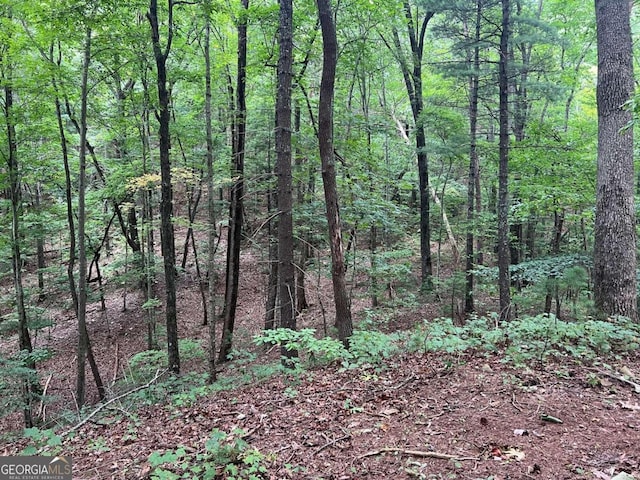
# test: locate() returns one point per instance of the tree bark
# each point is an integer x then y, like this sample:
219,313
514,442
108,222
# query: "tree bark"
211,204
504,283
413,83
286,270
236,201
325,141
166,202
615,235
83,338
474,80
30,386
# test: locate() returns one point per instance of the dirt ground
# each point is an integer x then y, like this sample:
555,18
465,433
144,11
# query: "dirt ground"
421,416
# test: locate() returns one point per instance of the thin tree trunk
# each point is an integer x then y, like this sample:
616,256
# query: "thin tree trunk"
211,204
413,83
470,258
30,385
272,281
303,242
40,244
166,203
325,140
234,237
558,225
83,337
504,283
68,198
147,221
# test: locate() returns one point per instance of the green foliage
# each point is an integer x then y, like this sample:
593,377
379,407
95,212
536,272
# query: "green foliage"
225,455
372,347
389,269
143,365
365,346
529,339
14,373
319,350
537,270
42,442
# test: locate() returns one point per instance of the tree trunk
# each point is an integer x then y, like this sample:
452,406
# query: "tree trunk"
211,204
615,235
83,339
40,244
30,385
504,283
470,259
413,83
166,202
84,347
327,158
147,219
272,227
303,243
286,270
234,235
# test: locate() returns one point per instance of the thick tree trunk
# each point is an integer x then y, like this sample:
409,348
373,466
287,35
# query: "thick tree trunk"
166,202
234,236
286,270
615,235
325,140
504,283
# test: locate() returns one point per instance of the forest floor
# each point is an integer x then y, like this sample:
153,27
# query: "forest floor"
415,416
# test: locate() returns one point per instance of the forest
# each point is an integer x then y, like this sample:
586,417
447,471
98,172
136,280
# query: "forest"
251,214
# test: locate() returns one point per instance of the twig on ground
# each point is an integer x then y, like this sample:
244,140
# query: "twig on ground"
416,453
620,378
332,442
513,402
114,399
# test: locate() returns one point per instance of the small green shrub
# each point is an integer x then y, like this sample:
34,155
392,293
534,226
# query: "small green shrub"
319,350
144,365
42,442
372,347
14,372
365,346
225,456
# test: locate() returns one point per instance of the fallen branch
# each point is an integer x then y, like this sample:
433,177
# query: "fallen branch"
620,378
332,442
42,407
416,453
114,399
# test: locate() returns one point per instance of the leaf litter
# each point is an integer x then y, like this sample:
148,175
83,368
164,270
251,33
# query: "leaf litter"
419,416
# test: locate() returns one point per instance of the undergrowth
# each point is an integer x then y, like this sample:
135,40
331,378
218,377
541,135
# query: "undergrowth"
527,340
224,455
